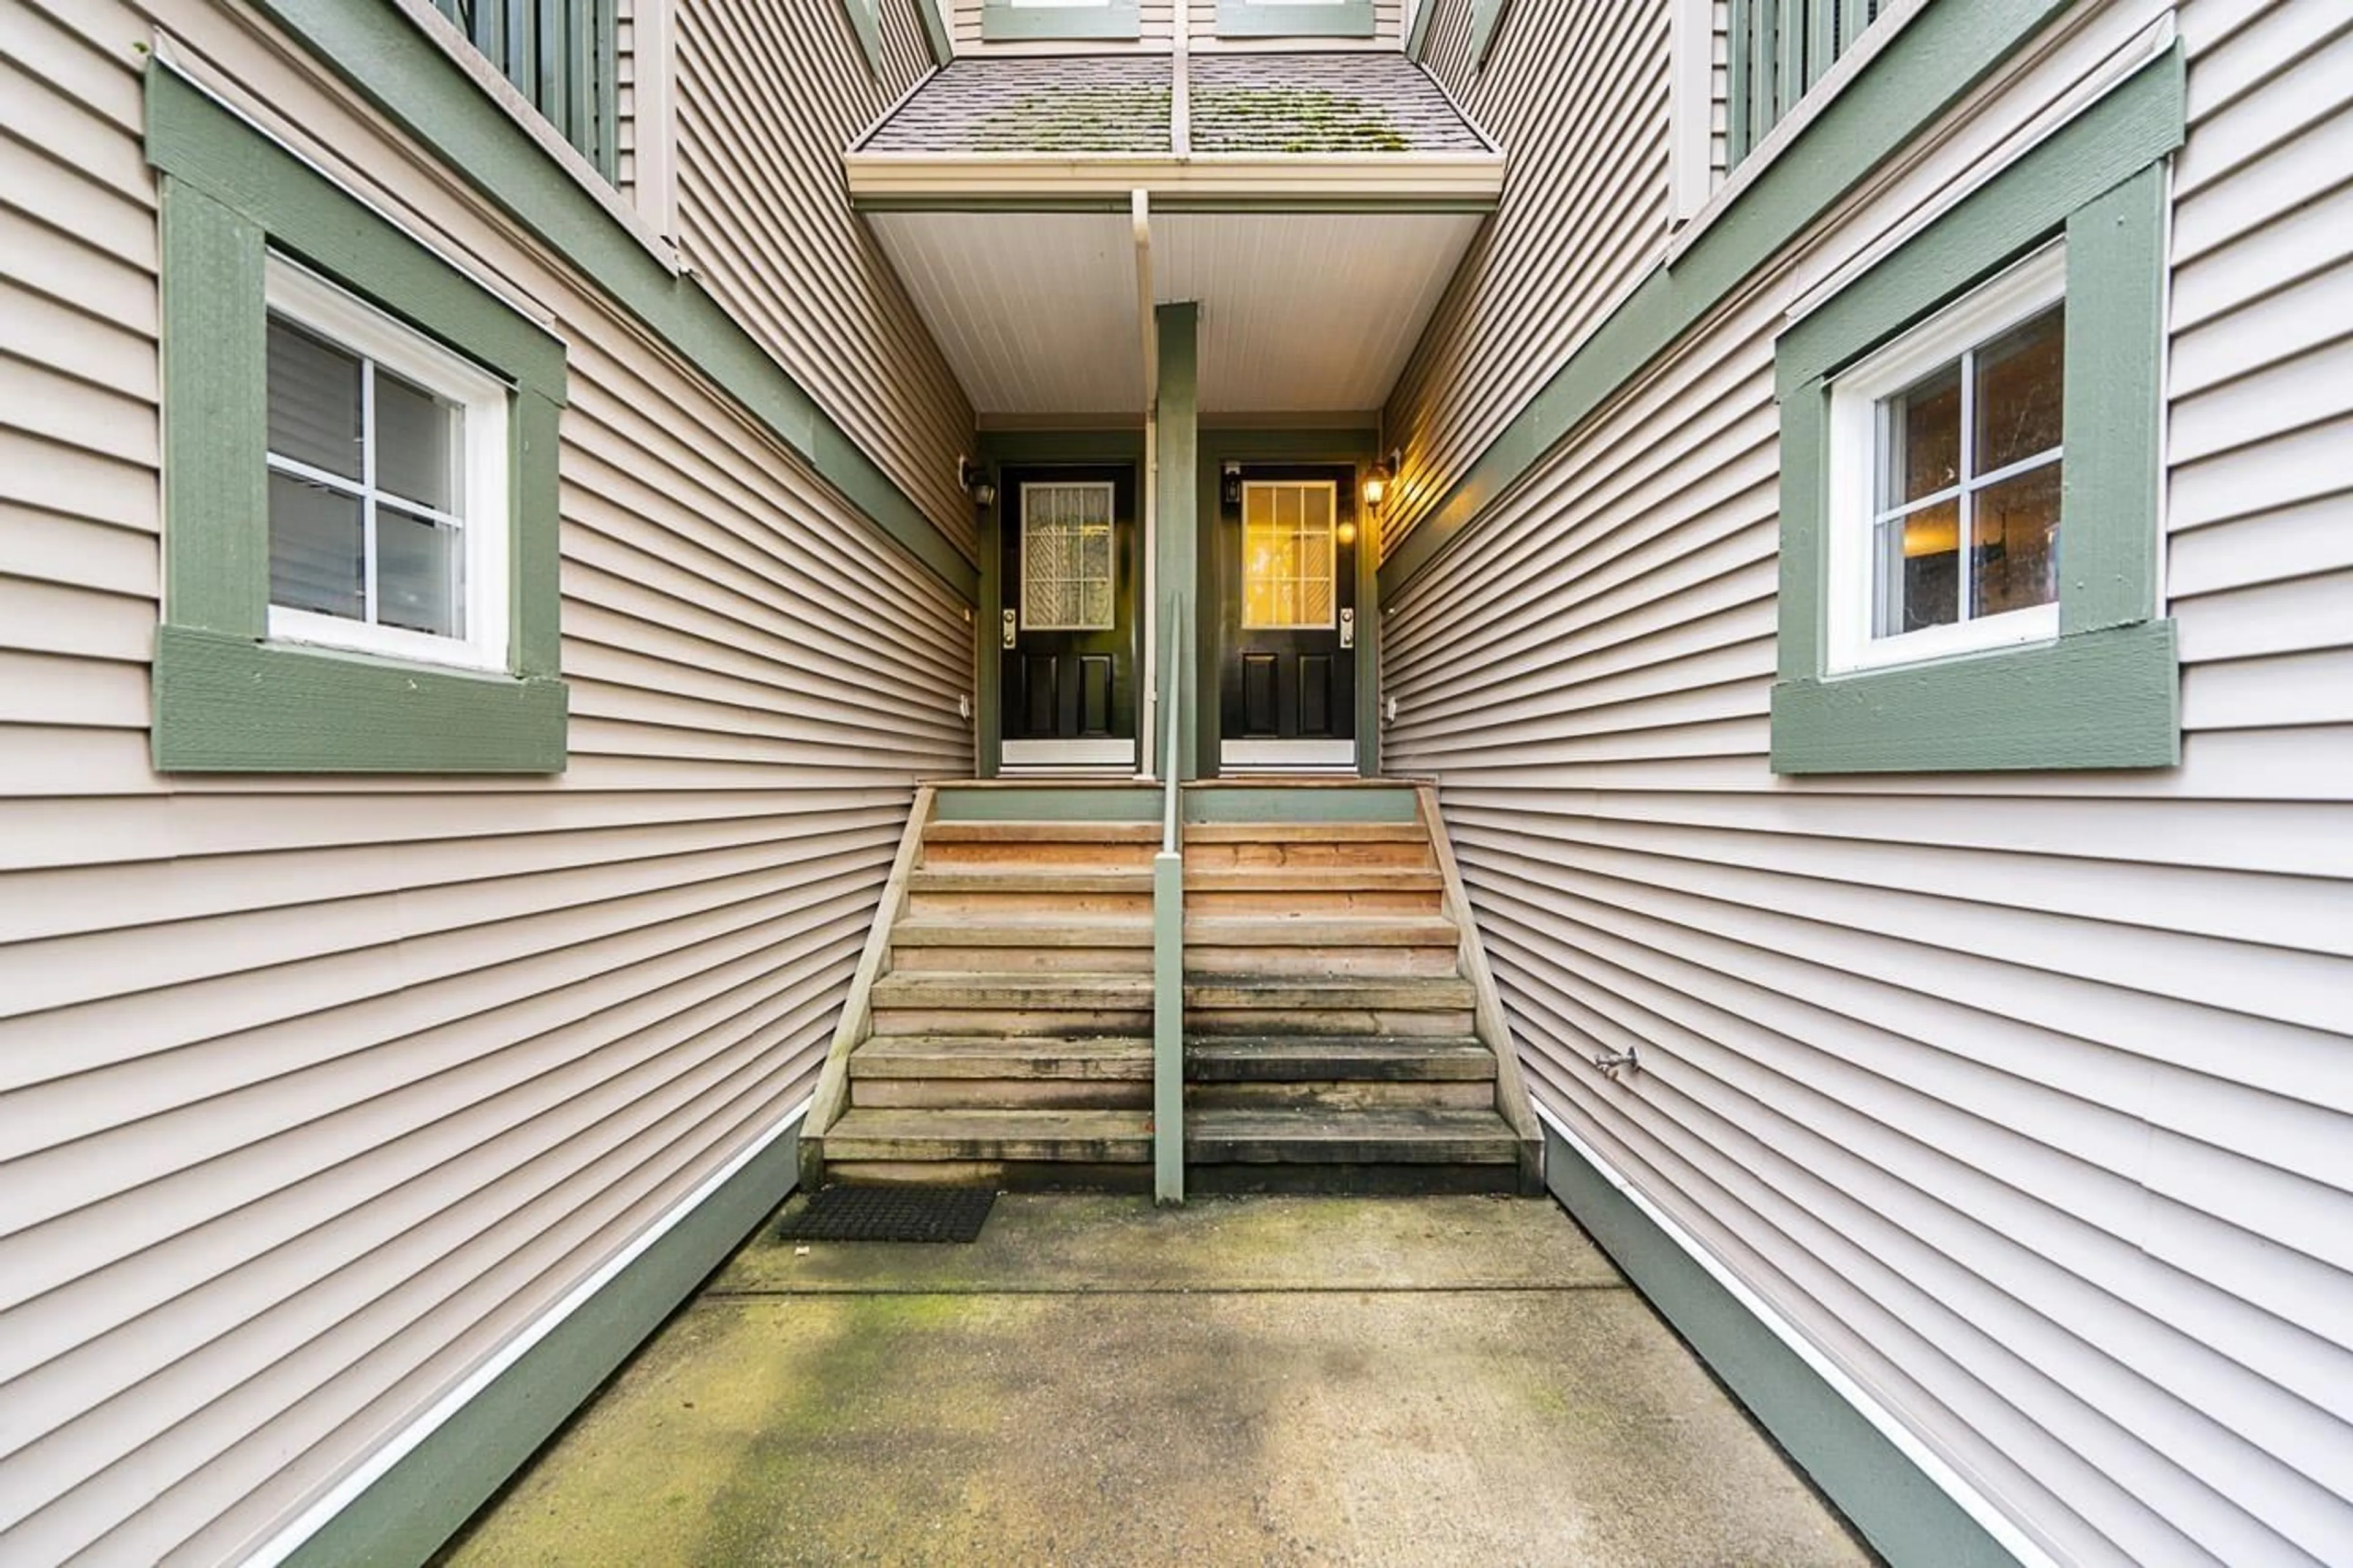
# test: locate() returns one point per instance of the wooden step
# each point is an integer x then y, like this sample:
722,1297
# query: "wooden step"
1027,932
1042,832
1060,879
1320,930
989,990
1337,1097
1446,1136
1115,1057
1245,1059
1429,994
1305,833
1309,878
1086,1137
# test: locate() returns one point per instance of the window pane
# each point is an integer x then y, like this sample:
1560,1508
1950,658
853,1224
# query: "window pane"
416,451
316,548
1920,439
1919,559
1067,573
2019,381
314,401
415,573
2014,529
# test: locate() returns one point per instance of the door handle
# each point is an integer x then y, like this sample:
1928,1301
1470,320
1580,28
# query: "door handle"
1012,627
1347,628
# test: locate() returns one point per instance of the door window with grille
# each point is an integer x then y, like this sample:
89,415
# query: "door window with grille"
1066,558
1288,557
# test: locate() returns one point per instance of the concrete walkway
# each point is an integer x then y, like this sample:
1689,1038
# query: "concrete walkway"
1246,1381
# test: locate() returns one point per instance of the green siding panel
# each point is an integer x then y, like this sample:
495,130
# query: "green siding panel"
1176,553
1945,52
2115,323
1906,1517
1274,803
1049,803
430,1492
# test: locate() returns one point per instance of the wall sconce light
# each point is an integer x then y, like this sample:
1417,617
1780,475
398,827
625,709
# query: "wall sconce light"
1230,490
973,479
1377,483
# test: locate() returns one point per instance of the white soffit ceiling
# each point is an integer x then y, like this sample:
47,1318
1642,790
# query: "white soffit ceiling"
1036,311
1307,311
1301,312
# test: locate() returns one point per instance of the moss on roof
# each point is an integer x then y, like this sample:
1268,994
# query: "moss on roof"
1292,119
1077,120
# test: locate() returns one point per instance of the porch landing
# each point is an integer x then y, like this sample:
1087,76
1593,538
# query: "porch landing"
1263,1380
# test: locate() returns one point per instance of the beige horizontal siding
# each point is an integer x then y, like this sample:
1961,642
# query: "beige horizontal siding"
768,93
1575,93
313,1092
2025,1096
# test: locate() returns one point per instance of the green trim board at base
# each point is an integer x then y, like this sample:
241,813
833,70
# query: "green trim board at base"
228,704
1049,803
2107,694
1906,1516
1004,22
1925,69
2107,699
866,21
935,30
1314,803
385,56
1274,19
428,1493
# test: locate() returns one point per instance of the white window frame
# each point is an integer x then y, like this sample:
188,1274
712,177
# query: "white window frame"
2024,290
485,522
1111,531
1331,553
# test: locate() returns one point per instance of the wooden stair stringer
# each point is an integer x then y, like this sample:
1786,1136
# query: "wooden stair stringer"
851,1029
1494,1029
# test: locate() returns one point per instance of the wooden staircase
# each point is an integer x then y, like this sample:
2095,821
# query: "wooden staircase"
1339,1031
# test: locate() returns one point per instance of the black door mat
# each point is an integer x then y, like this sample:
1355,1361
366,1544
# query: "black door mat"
890,1214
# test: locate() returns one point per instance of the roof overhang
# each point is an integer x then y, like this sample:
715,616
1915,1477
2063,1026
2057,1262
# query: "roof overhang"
1292,182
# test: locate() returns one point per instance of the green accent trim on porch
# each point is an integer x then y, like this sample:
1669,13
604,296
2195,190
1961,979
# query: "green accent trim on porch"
384,55
1122,445
1002,23
431,1491
1310,805
1272,19
1177,549
1926,67
1049,803
1905,1516
935,30
1485,16
865,21
2107,694
1417,38
226,701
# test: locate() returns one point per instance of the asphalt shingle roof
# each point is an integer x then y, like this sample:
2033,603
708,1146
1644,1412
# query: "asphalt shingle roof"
1344,102
1046,103
1329,103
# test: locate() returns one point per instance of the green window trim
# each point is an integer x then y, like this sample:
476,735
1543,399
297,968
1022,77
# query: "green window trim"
1265,19
866,21
226,699
2105,694
935,30
1002,22
563,56
1486,16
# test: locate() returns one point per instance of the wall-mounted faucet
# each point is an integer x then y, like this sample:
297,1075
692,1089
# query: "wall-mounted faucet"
1614,1063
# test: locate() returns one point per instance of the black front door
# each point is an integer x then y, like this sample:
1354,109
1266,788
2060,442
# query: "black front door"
1287,562
1068,635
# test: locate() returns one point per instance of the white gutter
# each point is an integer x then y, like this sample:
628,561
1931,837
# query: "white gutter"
1139,209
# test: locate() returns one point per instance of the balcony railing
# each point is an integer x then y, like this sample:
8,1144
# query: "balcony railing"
1779,48
562,54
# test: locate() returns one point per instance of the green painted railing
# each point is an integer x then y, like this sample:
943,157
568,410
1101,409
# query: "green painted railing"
1168,929
1779,48
564,56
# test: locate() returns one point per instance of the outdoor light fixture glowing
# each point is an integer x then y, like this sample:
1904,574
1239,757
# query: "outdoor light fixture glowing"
1377,483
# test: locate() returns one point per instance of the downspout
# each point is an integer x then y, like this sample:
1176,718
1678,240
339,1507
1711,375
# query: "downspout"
1140,219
